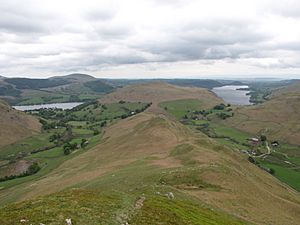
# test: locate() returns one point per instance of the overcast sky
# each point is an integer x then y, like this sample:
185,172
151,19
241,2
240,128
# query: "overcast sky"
150,38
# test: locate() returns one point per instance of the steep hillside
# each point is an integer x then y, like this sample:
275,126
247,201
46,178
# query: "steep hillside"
278,118
151,169
15,125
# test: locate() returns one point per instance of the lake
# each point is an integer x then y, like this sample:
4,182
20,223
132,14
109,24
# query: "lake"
230,94
66,105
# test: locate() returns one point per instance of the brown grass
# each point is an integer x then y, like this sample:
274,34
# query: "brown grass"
15,125
278,118
160,92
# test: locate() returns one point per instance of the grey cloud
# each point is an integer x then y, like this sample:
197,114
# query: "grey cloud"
213,40
19,24
99,15
103,39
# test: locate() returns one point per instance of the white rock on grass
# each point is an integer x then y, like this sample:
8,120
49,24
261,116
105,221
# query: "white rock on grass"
171,195
69,221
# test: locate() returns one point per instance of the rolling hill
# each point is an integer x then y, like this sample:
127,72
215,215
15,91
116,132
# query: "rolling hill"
152,169
278,118
157,92
15,125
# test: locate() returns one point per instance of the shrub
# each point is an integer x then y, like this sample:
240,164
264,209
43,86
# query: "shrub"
223,116
263,138
219,107
251,159
272,171
96,132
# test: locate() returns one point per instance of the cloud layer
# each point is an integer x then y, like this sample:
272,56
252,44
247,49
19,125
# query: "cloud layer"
148,38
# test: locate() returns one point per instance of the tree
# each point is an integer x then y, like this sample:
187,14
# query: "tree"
33,168
223,116
272,171
83,143
103,123
69,147
251,159
263,138
219,107
67,151
96,132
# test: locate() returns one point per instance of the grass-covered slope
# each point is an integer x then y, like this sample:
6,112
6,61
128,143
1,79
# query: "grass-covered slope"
158,92
15,125
278,118
146,157
94,207
152,169
65,134
282,160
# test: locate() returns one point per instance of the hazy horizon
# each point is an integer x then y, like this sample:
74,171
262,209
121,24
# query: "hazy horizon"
150,39
136,77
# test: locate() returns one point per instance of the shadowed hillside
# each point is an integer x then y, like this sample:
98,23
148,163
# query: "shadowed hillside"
69,88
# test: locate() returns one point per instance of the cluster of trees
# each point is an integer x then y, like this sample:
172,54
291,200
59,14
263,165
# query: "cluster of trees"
46,125
32,169
69,147
54,137
224,115
219,107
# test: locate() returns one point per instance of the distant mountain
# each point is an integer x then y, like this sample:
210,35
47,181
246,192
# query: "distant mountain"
73,87
27,83
76,77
